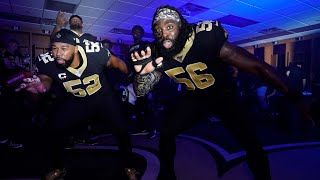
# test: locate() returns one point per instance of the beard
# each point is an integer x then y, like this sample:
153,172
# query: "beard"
66,64
177,46
75,27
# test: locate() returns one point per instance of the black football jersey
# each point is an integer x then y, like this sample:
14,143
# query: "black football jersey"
198,66
87,80
86,37
82,38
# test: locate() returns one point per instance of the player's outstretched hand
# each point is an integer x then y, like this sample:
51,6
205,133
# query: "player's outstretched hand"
143,64
33,85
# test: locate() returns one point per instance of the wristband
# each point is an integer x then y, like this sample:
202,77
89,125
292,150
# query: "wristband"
142,62
154,64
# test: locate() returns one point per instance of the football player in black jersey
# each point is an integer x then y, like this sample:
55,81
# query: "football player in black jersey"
80,70
199,57
76,26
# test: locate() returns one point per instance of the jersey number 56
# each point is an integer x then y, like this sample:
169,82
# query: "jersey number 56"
201,81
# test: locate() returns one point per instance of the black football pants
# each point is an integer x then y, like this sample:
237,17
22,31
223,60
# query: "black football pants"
190,110
70,117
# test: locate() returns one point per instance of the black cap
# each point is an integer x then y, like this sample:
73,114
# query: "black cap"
76,17
64,36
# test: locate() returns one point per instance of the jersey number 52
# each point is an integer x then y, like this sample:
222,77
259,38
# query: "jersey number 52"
94,86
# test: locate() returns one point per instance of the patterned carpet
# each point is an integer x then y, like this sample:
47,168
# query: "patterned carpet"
206,152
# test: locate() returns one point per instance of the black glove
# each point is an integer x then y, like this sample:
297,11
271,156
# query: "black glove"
141,46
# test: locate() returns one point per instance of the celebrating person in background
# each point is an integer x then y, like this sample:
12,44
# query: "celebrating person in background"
12,123
142,107
13,59
76,26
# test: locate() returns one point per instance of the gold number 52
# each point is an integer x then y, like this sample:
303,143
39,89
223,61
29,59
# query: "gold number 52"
91,89
200,81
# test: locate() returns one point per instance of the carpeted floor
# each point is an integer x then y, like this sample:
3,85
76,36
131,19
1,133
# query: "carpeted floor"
206,152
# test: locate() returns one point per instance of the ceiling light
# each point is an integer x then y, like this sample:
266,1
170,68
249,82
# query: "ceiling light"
16,28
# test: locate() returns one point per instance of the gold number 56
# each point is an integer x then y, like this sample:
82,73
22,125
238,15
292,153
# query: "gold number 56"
200,81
